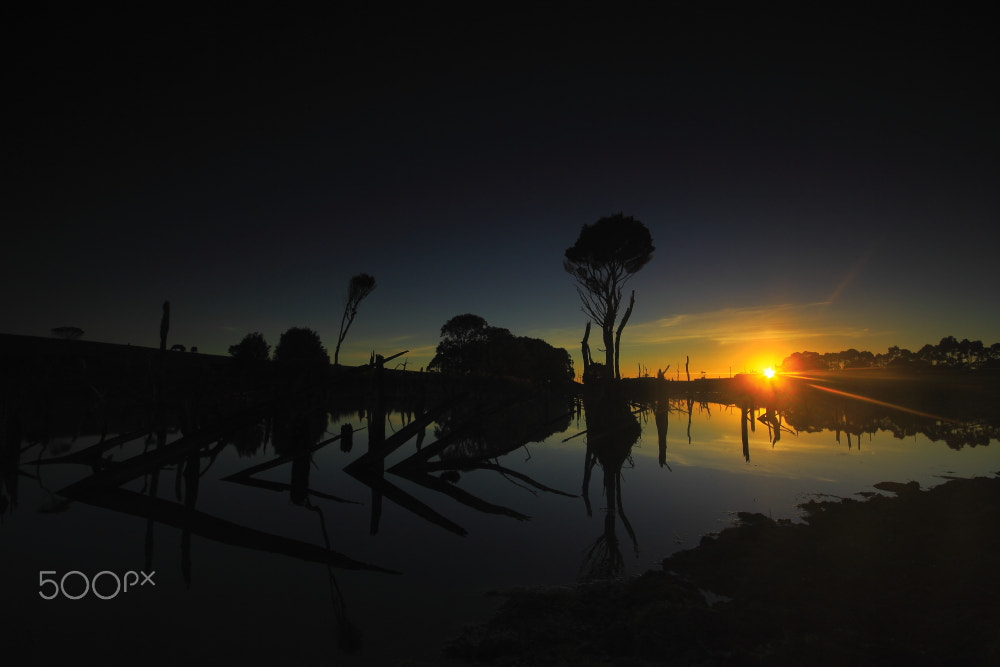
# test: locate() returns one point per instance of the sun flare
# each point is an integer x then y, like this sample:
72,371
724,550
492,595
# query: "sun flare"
769,372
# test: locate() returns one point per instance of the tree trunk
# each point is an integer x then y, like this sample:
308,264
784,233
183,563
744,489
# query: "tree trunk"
618,335
343,334
609,348
164,326
585,349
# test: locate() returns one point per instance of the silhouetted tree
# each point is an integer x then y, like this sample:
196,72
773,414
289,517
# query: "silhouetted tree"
466,328
928,354
300,345
535,359
803,361
252,348
469,346
358,288
948,353
970,353
465,347
993,356
894,356
596,372
606,255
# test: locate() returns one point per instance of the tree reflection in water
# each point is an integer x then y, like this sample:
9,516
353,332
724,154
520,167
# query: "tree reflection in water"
296,435
467,433
612,429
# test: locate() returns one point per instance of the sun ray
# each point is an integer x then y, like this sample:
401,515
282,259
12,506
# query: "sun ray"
884,404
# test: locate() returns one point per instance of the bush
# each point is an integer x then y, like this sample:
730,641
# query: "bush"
301,346
252,348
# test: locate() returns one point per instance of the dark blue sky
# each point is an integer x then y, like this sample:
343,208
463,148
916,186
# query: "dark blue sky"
810,182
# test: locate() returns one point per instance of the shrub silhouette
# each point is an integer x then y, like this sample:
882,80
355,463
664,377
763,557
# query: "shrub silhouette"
252,348
301,346
469,346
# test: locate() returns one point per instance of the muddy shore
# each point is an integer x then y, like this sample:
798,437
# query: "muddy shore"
904,577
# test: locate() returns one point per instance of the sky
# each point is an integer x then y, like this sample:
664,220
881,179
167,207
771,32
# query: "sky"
810,182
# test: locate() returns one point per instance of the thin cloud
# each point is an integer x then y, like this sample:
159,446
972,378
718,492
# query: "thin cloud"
738,325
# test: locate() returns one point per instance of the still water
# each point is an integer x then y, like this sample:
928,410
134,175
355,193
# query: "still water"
420,548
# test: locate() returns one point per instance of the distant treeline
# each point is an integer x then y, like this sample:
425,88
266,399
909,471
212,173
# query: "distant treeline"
949,353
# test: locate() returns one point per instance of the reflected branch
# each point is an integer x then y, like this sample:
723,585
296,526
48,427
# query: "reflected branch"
384,487
219,530
348,635
282,486
437,484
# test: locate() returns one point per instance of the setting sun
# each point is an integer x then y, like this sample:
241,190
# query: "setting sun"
769,372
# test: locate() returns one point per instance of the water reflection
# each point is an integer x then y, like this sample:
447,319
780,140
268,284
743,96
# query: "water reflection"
448,461
472,433
612,430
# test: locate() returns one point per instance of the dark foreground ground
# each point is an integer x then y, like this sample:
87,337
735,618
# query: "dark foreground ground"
909,579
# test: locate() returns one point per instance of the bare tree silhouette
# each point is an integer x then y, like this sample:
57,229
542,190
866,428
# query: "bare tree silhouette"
358,288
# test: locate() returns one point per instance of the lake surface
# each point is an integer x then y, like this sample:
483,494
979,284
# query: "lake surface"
421,542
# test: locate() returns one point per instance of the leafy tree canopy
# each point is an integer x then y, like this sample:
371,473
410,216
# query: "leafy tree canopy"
300,345
252,348
467,328
948,353
617,245
605,256
469,346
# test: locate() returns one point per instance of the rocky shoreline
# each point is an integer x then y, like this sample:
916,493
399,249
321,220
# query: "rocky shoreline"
903,579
